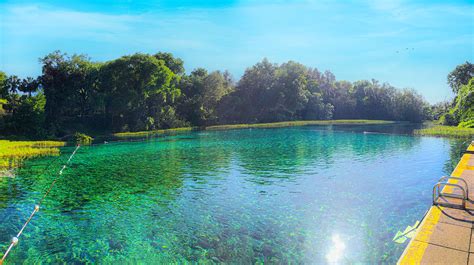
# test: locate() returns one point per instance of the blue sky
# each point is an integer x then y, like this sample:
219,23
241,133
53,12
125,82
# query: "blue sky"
412,44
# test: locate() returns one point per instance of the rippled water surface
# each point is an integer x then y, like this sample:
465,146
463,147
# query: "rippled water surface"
313,194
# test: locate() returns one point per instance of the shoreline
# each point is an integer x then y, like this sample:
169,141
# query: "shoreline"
446,131
248,126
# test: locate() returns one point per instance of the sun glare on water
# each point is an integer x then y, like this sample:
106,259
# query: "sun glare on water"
336,252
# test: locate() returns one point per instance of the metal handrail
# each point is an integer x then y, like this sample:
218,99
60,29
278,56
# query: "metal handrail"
440,194
458,179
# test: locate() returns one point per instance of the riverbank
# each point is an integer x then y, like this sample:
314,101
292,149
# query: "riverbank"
446,131
246,126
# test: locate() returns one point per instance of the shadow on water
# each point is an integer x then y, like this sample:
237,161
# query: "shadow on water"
457,149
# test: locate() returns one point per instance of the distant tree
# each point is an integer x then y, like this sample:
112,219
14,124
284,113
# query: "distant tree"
463,110
202,93
440,108
316,109
25,115
410,106
290,92
176,65
254,95
460,76
12,84
70,86
3,88
29,85
342,100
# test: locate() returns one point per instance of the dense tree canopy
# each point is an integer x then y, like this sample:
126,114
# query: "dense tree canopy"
462,111
460,76
144,92
202,93
136,90
291,91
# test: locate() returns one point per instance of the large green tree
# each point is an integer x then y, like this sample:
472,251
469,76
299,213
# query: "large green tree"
460,76
460,80
176,65
70,86
202,94
136,90
463,110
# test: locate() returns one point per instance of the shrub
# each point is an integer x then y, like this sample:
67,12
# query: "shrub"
448,119
466,124
83,139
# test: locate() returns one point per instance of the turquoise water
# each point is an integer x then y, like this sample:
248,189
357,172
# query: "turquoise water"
313,194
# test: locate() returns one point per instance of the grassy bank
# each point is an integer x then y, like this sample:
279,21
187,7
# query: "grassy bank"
153,133
244,126
12,153
295,123
447,131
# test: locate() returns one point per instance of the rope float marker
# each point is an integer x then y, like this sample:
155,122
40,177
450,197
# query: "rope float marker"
15,239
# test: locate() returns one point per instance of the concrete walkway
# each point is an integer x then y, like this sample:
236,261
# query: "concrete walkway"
446,235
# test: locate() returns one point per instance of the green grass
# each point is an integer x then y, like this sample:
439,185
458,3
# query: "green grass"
447,131
12,153
295,123
244,126
153,133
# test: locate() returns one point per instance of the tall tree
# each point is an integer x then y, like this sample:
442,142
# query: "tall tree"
176,65
463,109
137,87
29,85
3,87
460,76
69,84
202,93
254,97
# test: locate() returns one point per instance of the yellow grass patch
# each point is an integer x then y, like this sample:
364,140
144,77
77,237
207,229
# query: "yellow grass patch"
12,153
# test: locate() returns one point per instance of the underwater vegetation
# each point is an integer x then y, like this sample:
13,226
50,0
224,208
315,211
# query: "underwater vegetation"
12,153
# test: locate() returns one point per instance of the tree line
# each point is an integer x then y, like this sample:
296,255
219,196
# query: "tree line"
151,91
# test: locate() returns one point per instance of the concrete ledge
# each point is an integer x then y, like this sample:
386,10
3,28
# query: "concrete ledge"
445,236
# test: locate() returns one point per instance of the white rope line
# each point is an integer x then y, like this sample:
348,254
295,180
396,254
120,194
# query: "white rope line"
37,207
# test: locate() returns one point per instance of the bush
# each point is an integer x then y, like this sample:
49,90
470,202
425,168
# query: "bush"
466,124
83,139
448,119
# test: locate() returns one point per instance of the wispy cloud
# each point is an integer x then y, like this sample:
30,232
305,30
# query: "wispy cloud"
39,21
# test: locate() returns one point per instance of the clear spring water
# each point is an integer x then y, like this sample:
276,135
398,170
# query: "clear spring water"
313,194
